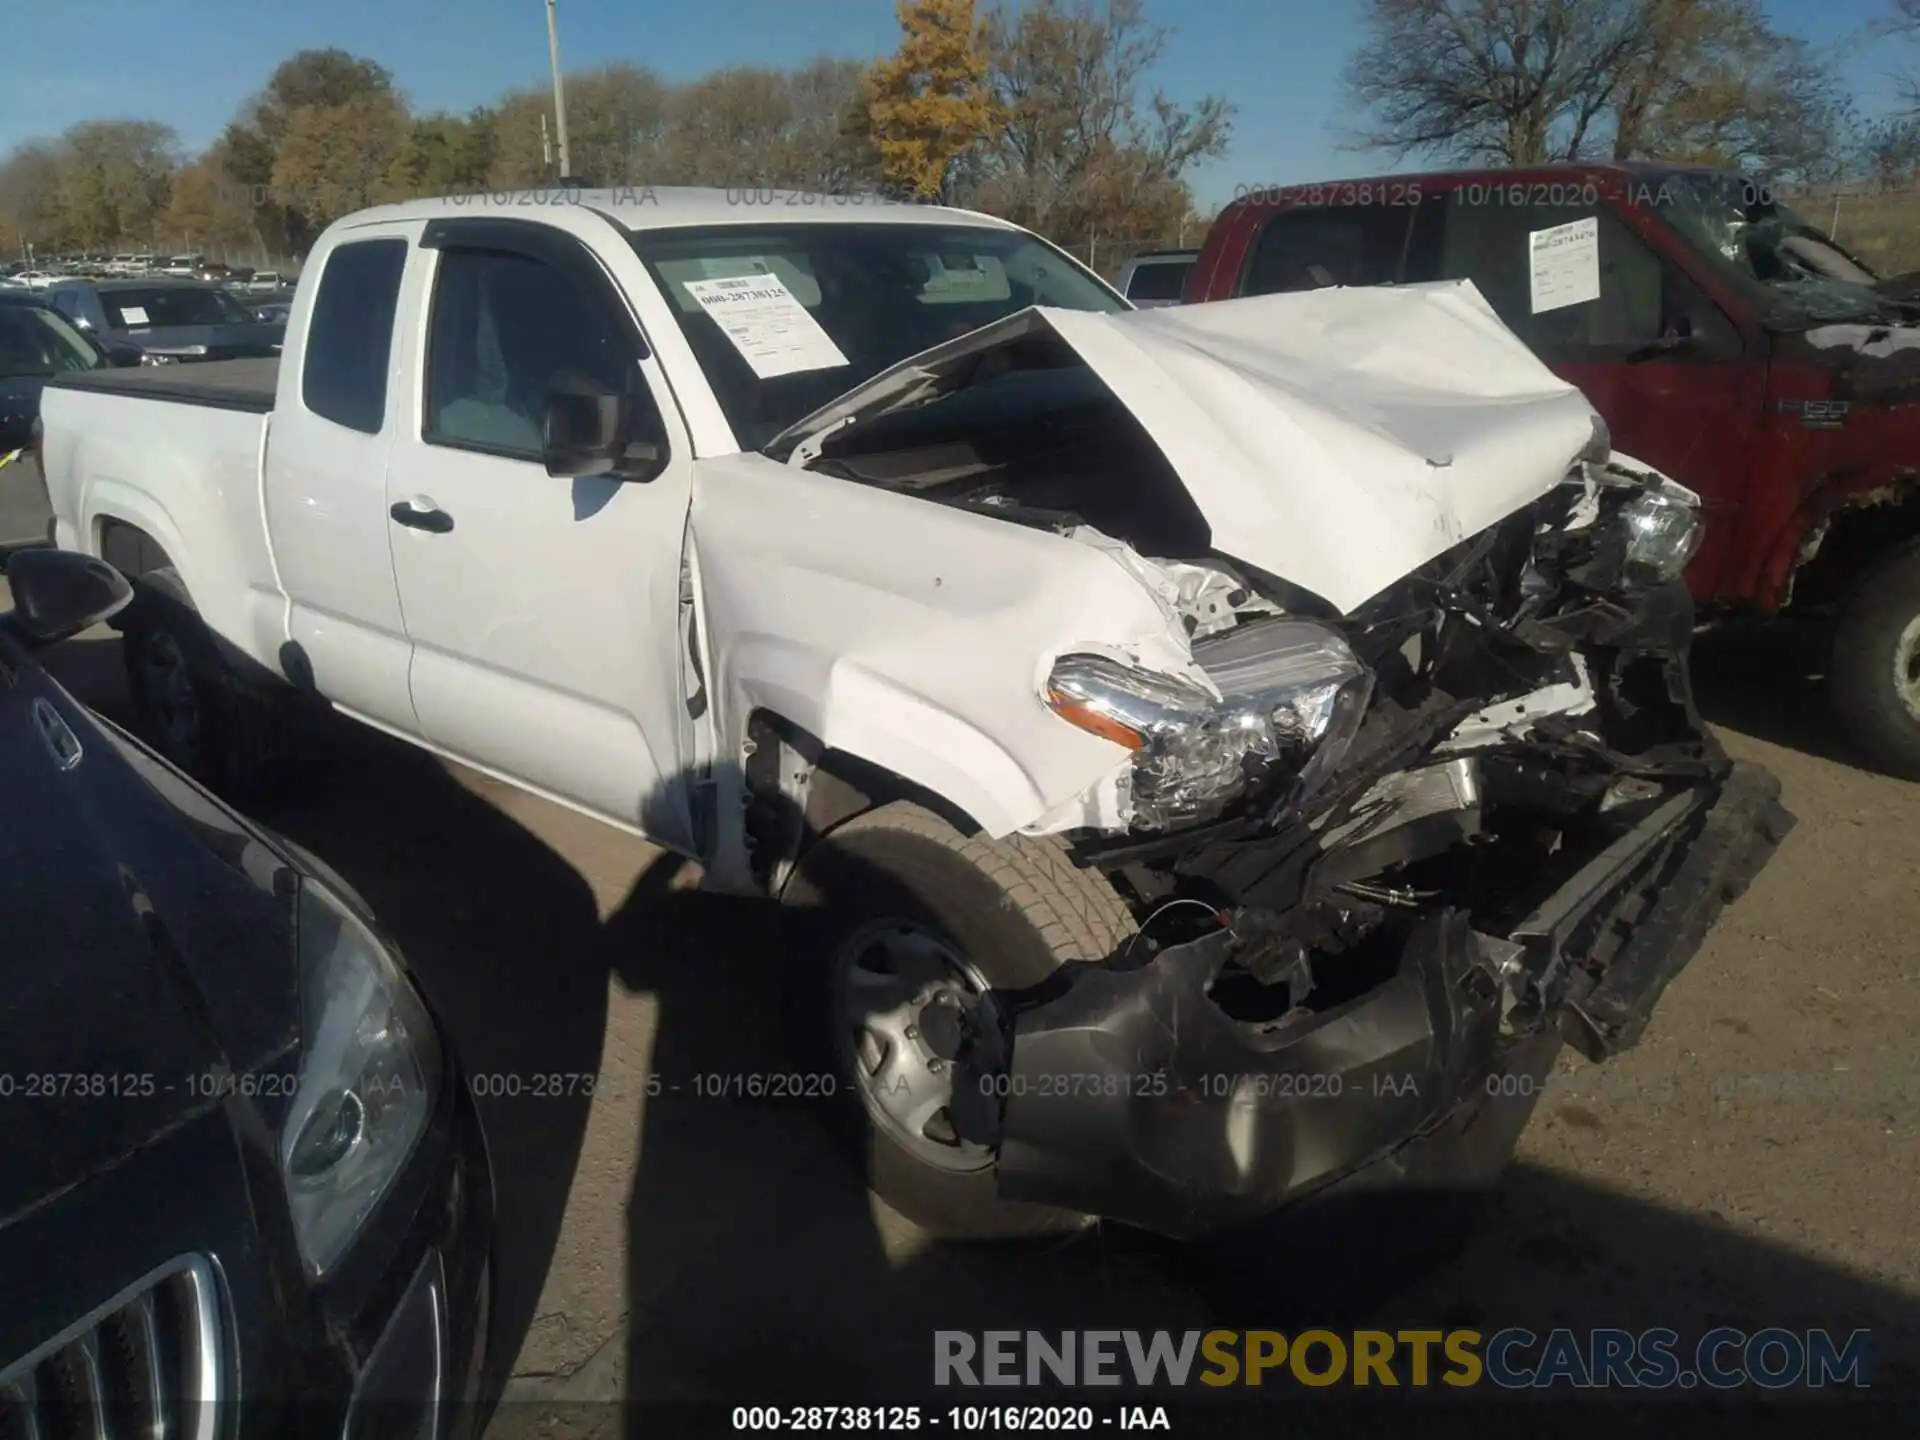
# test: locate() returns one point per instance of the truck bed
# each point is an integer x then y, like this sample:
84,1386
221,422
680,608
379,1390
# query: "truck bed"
219,384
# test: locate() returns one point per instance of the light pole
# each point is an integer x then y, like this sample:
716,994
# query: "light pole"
559,93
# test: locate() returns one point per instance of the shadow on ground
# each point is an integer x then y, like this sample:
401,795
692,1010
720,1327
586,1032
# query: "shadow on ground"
757,1270
1769,681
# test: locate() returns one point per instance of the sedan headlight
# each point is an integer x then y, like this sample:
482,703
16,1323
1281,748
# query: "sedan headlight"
369,1074
1663,533
1291,695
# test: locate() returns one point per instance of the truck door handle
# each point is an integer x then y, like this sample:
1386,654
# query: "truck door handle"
437,521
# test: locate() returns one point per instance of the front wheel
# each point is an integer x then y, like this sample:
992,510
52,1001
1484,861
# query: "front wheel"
903,929
1875,676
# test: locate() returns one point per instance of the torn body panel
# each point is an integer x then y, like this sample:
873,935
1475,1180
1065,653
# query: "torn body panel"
1188,1119
1525,840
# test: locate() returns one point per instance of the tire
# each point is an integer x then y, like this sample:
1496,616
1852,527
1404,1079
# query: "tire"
1874,680
236,739
1011,911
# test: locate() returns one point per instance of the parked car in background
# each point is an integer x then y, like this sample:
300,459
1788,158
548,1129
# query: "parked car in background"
169,320
897,570
1156,278
274,311
267,280
183,265
36,344
1724,338
238,275
35,279
242,1160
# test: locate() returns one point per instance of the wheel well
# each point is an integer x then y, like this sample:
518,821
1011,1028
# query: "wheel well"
130,550
1848,543
798,789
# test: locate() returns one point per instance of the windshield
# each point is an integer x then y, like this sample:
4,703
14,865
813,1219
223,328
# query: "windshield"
1788,263
171,305
785,320
37,342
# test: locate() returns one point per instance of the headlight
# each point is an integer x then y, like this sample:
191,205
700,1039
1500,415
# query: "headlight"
369,1072
1291,693
1663,532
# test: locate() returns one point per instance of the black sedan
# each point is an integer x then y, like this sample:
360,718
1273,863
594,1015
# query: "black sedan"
36,344
241,1162
169,320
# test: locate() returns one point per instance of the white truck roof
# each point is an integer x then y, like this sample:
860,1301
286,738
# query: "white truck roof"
661,207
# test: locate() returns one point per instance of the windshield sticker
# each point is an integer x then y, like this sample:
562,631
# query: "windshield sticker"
133,315
1565,264
768,325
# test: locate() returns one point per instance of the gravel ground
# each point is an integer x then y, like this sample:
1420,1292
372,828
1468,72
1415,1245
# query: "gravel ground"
1752,1163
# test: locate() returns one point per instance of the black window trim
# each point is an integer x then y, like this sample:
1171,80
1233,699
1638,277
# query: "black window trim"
567,255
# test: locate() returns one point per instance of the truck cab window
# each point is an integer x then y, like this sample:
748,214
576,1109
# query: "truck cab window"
1642,301
505,328
350,334
1306,248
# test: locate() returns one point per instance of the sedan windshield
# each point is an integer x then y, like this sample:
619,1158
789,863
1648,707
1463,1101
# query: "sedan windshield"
165,305
1794,268
36,342
785,320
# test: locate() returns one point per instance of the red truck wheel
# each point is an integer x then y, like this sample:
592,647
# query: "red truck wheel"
1874,679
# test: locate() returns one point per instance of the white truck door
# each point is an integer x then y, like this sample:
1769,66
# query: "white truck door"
544,612
328,446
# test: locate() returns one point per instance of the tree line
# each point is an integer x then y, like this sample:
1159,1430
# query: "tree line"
1040,113
1519,82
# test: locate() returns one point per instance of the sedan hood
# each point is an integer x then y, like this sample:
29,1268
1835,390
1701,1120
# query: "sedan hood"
1338,438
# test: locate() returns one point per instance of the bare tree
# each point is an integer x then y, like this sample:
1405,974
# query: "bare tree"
1522,82
1083,145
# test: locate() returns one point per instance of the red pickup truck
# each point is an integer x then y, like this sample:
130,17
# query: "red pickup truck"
1725,340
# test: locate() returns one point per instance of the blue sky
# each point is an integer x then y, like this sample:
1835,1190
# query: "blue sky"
190,63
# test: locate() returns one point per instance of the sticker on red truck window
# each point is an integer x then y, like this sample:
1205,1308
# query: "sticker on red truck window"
1564,264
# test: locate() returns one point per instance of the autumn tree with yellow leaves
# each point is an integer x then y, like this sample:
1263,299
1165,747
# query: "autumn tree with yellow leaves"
928,103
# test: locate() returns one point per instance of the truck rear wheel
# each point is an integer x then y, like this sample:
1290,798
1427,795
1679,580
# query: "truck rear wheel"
1874,679
898,919
194,707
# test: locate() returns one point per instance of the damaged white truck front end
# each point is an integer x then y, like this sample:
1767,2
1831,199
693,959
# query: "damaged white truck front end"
1305,681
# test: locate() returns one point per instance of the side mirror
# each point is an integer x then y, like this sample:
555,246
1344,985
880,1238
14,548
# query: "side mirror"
587,430
57,593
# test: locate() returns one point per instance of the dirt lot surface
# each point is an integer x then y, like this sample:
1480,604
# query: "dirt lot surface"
1753,1163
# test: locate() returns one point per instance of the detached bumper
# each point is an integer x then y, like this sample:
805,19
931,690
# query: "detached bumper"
1133,1096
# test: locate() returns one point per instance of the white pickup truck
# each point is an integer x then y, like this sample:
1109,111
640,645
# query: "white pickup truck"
1206,753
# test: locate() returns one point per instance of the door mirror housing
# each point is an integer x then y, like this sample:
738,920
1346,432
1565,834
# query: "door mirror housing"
58,593
588,430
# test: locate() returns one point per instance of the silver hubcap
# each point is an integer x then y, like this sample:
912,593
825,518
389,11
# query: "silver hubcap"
886,977
1906,667
170,693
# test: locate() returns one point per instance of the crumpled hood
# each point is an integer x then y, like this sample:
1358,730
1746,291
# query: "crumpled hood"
1336,438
